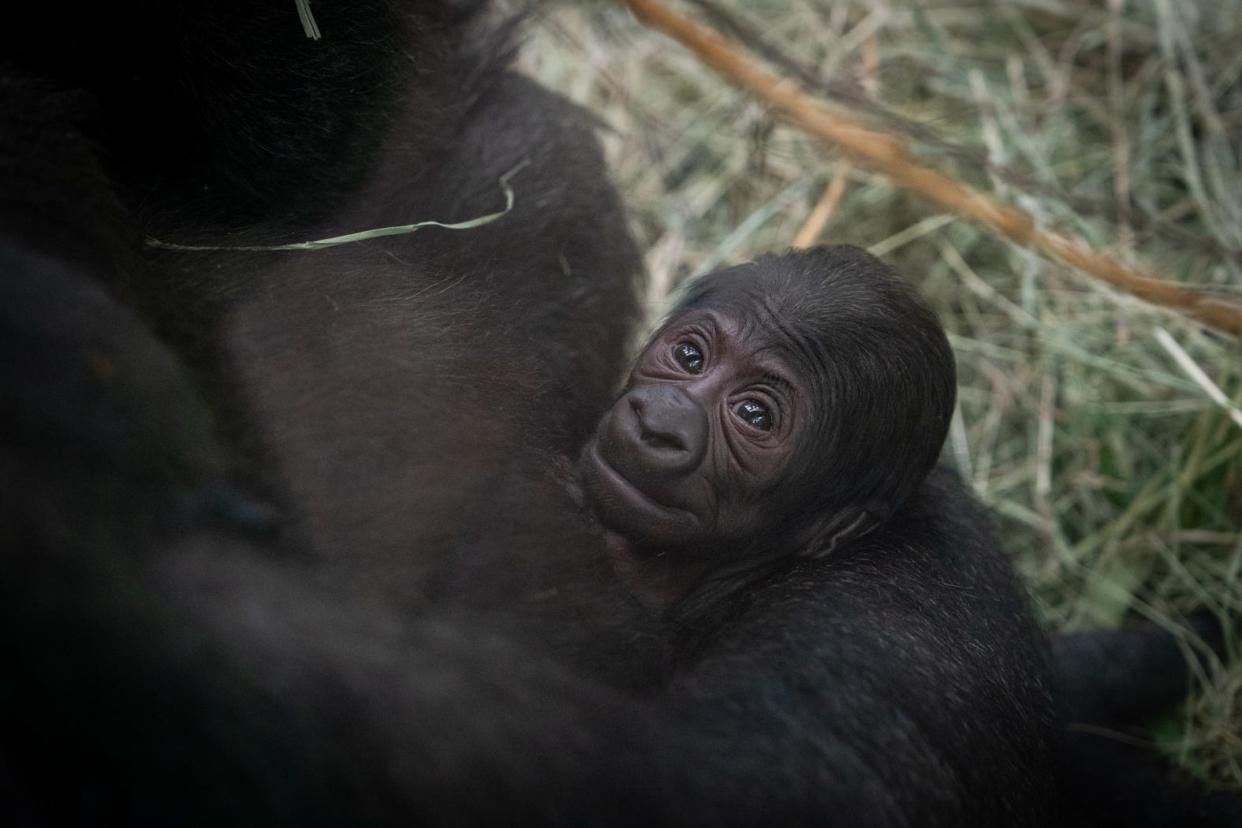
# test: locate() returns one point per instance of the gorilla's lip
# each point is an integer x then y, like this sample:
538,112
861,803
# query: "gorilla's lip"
636,500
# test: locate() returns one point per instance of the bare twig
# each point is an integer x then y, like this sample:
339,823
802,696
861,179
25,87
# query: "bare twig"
824,208
890,156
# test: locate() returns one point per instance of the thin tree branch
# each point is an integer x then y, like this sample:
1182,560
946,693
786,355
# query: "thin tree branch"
888,155
824,208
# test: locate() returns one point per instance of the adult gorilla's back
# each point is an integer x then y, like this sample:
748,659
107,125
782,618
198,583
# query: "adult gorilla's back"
228,474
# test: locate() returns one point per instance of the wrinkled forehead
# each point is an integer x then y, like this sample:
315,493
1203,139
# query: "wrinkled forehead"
762,312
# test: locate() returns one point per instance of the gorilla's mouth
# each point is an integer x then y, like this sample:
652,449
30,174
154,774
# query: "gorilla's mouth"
624,507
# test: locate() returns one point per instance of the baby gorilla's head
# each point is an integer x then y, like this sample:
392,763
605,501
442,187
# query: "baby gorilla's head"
786,406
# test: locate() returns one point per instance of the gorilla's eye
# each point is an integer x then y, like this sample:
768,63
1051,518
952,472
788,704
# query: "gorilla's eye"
689,357
755,413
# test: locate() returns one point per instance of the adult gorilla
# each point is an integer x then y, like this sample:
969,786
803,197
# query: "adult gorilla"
233,478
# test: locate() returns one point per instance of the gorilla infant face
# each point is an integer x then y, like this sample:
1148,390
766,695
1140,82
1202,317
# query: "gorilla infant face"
710,418
790,404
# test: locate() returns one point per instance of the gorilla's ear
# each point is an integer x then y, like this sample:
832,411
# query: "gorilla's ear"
848,523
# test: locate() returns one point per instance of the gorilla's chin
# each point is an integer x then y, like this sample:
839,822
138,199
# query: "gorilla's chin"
624,508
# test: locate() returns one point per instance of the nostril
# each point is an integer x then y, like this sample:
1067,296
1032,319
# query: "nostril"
659,424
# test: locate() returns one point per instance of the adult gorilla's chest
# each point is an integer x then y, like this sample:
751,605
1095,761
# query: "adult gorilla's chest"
387,383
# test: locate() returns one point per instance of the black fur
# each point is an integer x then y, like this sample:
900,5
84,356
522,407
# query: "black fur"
270,553
1110,686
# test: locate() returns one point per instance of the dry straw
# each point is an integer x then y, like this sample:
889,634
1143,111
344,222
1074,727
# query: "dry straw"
890,156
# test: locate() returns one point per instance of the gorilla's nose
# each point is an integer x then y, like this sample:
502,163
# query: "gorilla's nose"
671,428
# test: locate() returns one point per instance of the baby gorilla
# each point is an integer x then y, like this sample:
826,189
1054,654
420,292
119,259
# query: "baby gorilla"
787,406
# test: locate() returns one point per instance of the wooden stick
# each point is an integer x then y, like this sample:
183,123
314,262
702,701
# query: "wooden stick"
888,155
824,208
